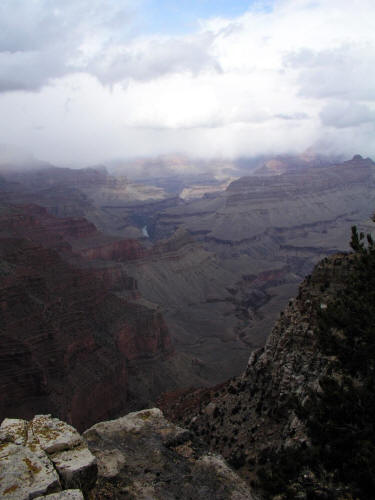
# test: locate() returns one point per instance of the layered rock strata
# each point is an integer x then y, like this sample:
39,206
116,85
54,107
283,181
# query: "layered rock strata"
255,211
68,342
263,235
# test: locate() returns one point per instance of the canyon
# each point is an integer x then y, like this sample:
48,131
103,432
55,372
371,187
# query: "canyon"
240,254
263,422
69,338
94,310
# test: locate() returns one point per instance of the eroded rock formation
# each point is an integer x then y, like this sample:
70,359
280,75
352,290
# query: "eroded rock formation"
68,336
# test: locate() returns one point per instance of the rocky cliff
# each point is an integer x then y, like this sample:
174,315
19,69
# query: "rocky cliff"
297,423
70,340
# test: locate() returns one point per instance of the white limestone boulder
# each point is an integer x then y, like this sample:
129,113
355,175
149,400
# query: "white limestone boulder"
76,467
54,435
26,473
13,430
42,457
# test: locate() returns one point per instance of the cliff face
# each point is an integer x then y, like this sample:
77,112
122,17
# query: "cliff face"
190,287
66,339
258,213
70,233
122,250
253,417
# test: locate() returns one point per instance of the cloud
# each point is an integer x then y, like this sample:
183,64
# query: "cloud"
43,39
346,114
292,116
346,71
29,70
149,58
274,80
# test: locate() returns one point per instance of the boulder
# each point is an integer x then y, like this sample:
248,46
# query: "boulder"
43,457
54,435
26,473
13,430
76,467
144,456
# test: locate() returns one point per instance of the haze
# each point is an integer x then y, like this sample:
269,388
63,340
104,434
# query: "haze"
87,81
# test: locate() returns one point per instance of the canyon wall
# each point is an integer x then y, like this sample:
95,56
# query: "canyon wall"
67,340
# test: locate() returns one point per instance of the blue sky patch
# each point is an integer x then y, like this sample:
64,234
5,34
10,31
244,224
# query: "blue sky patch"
181,17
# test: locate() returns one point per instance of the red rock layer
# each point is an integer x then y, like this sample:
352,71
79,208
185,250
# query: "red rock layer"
120,250
65,338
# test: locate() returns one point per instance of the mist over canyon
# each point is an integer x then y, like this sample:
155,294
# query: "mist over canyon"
187,250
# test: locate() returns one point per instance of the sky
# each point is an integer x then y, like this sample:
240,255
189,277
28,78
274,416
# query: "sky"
86,81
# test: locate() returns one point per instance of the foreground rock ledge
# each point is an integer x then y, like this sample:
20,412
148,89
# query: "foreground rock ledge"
43,457
141,456
144,456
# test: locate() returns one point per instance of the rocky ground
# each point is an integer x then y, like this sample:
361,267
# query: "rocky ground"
44,458
140,456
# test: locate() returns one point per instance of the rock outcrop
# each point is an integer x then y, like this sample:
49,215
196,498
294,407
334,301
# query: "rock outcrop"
139,456
254,415
142,455
44,458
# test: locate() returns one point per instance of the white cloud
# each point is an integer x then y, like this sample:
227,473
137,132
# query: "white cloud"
149,58
346,114
279,80
346,71
45,39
